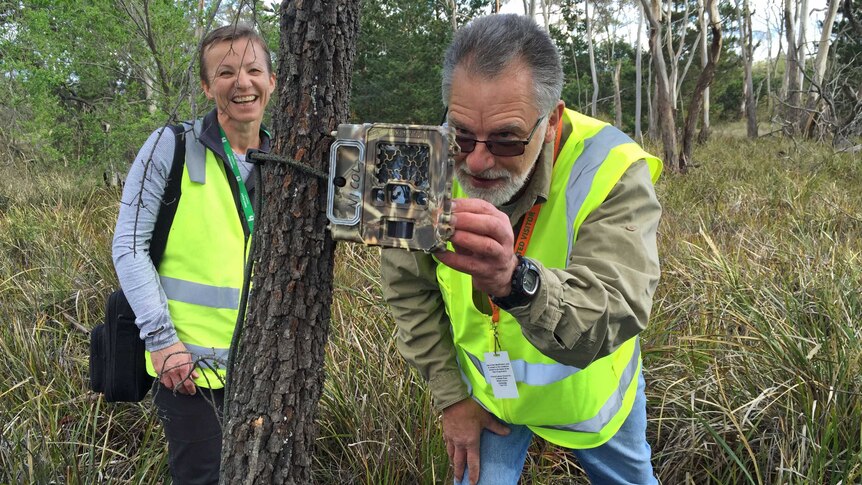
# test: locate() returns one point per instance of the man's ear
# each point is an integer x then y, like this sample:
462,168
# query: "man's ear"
554,118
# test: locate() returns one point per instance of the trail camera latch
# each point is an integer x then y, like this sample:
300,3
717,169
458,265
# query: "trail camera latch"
391,185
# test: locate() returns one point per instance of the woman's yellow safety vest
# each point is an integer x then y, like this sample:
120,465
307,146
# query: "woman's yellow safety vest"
568,406
203,266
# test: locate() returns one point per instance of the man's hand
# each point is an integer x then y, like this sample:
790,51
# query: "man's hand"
175,368
484,246
463,423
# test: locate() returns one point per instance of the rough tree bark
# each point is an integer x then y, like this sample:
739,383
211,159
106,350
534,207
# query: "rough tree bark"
277,378
703,82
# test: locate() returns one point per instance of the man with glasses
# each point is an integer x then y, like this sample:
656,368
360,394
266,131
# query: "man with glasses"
529,323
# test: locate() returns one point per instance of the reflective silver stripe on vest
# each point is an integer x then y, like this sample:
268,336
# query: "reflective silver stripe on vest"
532,374
200,294
612,406
196,154
554,373
596,149
208,356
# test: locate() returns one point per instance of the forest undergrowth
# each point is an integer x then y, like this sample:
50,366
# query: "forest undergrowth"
752,358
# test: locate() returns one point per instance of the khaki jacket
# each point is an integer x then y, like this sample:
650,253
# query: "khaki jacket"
581,313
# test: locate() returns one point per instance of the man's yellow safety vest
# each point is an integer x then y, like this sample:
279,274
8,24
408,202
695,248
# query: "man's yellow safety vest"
568,406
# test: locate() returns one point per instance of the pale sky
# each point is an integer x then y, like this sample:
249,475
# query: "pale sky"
766,15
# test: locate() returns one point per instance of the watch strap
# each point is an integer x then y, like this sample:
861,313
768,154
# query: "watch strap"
517,296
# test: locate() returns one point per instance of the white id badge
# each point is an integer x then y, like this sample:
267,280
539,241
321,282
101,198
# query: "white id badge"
500,375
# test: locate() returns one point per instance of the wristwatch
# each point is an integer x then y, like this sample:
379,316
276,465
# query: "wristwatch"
526,280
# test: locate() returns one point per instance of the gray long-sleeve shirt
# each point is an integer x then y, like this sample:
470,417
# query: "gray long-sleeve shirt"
142,196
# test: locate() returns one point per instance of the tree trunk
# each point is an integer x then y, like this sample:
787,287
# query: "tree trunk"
665,112
453,14
529,8
791,106
769,68
801,48
703,136
652,103
745,36
703,82
809,117
639,75
277,377
546,13
595,98
618,102
149,92
577,76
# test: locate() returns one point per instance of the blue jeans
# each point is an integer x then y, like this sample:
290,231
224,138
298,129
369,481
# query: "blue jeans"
624,459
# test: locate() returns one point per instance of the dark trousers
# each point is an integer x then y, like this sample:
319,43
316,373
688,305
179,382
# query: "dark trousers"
193,430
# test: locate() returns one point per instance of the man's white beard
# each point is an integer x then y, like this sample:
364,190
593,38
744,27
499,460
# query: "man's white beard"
497,196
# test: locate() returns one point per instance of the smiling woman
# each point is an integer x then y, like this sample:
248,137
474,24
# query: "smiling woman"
187,306
237,74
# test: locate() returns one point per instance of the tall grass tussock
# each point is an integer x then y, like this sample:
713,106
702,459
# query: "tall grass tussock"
752,358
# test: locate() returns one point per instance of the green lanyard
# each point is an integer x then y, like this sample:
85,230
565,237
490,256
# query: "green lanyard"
243,193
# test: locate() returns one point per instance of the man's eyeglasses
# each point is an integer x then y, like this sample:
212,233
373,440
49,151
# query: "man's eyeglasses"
501,148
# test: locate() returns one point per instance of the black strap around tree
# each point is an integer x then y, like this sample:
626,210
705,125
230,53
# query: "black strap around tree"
171,198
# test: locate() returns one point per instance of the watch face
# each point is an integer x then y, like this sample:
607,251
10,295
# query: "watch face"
531,281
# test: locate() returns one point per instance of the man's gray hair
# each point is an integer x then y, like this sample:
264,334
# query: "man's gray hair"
486,46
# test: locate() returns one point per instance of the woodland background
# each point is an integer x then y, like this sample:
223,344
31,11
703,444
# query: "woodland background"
753,355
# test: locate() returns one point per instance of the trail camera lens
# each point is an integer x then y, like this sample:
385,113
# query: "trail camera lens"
399,229
379,195
420,198
399,194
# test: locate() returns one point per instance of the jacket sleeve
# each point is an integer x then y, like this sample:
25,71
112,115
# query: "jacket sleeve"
423,335
139,207
604,296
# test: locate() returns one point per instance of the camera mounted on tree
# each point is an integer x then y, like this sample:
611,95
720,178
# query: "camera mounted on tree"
390,185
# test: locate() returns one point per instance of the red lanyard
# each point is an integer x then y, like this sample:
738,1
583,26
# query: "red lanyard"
521,244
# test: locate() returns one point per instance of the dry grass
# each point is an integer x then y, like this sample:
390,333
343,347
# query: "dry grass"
752,358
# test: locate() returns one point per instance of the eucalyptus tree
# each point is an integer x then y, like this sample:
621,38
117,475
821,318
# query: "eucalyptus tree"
704,80
747,52
791,75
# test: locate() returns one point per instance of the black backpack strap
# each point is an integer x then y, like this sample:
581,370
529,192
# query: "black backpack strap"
171,197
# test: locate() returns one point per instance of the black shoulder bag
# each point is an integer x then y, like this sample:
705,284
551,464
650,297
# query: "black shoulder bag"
117,360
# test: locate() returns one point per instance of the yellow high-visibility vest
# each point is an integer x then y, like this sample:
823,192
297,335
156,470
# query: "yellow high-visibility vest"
568,406
203,265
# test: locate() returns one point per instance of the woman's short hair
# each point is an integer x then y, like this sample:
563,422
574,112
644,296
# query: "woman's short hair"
230,32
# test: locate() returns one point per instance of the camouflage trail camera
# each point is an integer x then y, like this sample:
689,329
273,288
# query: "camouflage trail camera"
391,185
